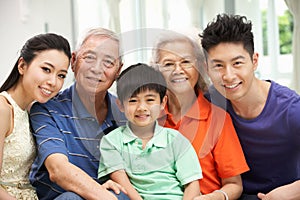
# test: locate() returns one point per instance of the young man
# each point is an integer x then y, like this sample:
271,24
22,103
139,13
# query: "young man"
69,127
150,161
265,114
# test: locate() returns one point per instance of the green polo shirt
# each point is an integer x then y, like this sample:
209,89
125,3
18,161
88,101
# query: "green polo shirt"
160,170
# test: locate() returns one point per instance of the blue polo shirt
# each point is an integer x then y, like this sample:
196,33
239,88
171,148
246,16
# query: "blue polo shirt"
63,125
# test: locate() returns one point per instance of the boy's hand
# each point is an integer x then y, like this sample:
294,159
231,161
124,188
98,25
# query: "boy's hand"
114,186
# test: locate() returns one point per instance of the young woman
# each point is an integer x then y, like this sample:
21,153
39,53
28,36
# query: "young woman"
38,75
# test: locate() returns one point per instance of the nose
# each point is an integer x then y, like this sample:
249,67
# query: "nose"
177,68
52,80
97,67
228,74
141,106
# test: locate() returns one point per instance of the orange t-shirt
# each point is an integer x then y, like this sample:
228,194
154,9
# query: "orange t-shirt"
212,134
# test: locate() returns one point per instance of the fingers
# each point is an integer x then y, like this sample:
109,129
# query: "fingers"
261,195
117,188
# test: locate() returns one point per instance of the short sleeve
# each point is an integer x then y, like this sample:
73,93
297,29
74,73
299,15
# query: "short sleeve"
186,163
228,153
48,136
111,159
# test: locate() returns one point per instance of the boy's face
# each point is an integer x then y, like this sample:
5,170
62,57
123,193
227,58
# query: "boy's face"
231,70
143,109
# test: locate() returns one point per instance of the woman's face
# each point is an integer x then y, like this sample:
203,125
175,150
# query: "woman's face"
177,63
44,76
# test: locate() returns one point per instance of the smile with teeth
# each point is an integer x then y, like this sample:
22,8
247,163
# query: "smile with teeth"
179,80
231,86
48,92
142,116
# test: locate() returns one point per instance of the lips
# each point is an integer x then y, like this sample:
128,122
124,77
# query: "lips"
94,79
46,91
142,116
179,80
231,86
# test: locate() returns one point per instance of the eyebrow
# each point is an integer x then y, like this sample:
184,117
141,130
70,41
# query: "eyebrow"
52,66
95,53
151,95
88,51
148,95
233,59
181,58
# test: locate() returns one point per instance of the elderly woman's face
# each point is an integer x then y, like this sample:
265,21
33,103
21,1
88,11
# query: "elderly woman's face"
177,63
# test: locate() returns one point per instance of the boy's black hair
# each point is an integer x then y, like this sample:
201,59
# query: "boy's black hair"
140,77
228,28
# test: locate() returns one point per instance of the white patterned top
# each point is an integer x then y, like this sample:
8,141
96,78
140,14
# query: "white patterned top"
18,155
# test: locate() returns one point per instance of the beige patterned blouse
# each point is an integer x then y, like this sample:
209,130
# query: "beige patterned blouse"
18,154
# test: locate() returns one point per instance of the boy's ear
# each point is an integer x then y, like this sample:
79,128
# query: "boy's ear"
120,105
164,102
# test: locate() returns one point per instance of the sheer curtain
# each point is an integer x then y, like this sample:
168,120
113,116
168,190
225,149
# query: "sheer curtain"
294,7
114,10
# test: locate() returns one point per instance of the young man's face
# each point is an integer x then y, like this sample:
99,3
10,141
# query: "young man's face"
144,108
231,69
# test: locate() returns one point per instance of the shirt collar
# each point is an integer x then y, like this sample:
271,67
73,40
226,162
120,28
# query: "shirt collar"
200,109
159,139
81,111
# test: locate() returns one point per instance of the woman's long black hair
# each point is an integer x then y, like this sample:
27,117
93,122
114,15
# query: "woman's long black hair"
34,45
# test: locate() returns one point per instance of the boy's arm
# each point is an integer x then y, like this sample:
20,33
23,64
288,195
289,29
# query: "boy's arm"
121,177
191,190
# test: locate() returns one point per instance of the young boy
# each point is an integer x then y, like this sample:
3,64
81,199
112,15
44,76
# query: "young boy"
150,161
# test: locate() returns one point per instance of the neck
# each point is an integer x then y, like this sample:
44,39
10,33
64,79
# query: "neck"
20,96
253,103
95,104
180,104
144,133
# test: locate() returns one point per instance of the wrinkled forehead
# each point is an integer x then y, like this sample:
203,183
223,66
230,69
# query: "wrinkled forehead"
100,44
180,49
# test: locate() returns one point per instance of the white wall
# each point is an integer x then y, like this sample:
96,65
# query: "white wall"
21,19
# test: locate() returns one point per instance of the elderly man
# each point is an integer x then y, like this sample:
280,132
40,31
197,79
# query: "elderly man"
69,127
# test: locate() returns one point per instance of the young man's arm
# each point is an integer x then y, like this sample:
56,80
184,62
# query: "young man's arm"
285,192
72,178
121,177
191,190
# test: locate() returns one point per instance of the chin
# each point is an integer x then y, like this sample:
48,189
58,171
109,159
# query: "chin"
43,100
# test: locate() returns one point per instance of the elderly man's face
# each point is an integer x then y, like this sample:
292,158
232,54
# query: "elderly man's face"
96,65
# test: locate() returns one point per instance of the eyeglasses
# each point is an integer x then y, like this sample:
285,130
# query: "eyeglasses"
171,65
92,59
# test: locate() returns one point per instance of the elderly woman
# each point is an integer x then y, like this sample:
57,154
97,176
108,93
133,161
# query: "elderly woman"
209,128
